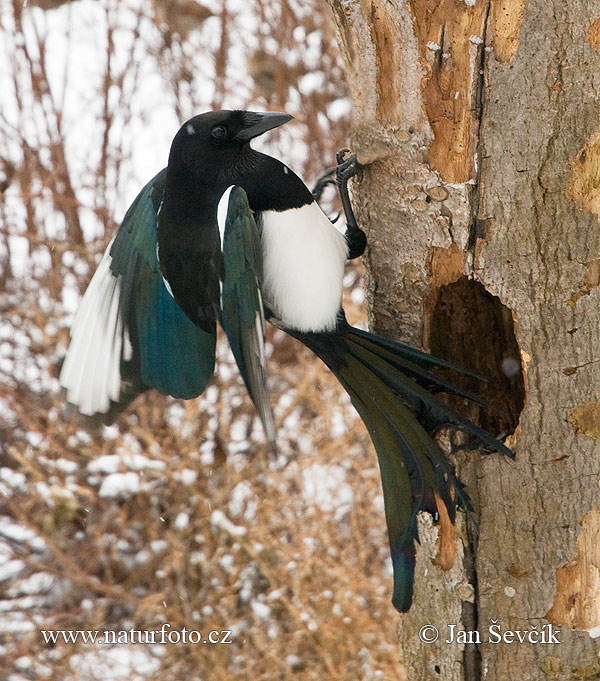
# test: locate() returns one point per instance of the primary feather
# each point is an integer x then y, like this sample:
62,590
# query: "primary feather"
129,333
91,371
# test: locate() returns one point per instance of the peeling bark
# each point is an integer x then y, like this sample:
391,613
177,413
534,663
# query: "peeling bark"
450,35
585,419
576,603
499,185
506,18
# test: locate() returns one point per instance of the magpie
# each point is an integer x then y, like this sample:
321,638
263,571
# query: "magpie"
227,234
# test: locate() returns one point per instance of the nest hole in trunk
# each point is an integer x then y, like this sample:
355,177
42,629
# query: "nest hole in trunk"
472,328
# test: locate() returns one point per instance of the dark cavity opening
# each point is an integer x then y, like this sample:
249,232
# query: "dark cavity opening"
473,329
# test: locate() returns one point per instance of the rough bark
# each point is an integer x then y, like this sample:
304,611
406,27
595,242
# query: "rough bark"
479,124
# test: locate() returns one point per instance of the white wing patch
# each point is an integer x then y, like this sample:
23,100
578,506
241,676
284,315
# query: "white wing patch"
222,209
91,372
303,260
165,282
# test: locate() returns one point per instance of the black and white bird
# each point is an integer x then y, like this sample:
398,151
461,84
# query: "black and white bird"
228,234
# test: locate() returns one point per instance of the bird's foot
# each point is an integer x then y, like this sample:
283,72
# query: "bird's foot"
347,167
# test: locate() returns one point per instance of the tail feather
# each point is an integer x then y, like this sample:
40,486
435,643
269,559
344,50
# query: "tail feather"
402,480
407,367
432,412
389,385
421,467
412,354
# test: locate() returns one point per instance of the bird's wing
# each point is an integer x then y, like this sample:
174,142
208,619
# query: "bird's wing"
242,310
129,334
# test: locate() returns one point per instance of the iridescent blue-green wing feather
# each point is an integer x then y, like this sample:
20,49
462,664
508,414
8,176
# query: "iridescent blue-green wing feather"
175,356
242,314
129,333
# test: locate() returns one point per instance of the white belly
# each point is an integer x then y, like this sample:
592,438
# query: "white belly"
303,259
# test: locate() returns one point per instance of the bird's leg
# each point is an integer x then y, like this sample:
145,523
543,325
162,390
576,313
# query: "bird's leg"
322,182
347,168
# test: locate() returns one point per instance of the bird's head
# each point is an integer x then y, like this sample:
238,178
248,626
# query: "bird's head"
214,146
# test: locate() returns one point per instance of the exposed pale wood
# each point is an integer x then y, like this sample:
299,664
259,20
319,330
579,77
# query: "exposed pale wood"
450,34
593,34
585,419
447,538
576,604
506,17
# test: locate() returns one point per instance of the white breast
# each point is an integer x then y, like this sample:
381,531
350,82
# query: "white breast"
303,258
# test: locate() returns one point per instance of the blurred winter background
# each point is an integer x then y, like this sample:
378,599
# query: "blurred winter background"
175,514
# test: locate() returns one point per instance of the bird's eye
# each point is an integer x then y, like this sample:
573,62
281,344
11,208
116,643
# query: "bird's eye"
219,132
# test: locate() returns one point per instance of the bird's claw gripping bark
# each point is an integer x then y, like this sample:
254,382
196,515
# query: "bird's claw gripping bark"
347,167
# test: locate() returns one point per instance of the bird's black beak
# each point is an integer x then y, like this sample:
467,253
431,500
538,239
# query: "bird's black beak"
256,124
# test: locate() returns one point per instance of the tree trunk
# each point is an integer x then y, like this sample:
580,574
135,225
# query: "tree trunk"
478,120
